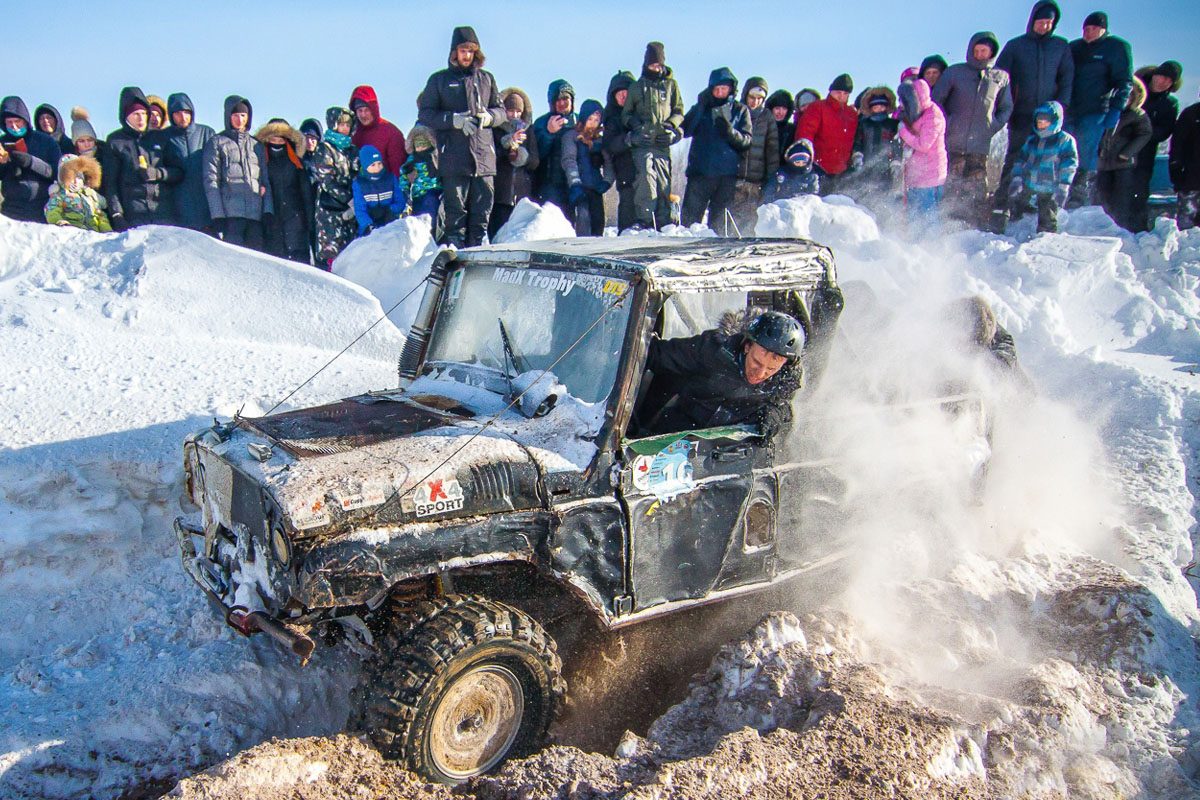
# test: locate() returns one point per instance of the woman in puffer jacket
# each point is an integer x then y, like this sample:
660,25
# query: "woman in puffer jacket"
1115,179
583,163
923,131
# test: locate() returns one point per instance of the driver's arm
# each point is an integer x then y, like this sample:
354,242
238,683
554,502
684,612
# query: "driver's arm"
679,356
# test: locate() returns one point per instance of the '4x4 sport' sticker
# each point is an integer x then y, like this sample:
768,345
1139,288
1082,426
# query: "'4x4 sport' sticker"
437,496
668,472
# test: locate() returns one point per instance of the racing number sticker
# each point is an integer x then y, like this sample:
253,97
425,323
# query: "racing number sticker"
437,496
668,472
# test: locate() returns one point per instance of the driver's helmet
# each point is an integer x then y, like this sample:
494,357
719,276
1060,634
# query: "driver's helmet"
777,332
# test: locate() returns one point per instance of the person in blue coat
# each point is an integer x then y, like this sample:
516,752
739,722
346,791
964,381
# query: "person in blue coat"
378,194
721,131
28,163
549,180
186,139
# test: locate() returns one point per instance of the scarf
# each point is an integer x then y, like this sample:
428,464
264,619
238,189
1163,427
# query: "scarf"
339,140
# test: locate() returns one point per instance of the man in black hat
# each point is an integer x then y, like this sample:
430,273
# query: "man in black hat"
1103,79
461,104
1040,69
653,115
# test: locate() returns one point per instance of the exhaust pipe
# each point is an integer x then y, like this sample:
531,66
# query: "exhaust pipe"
250,622
418,336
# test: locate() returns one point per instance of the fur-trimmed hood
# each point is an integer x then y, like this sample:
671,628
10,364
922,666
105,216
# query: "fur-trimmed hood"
1137,94
155,100
527,113
280,128
421,134
782,97
89,167
864,102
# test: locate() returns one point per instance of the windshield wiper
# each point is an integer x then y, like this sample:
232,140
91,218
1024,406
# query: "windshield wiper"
510,355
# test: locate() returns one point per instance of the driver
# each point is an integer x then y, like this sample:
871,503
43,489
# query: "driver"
717,379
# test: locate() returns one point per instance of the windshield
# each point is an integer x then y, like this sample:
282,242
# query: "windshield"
541,313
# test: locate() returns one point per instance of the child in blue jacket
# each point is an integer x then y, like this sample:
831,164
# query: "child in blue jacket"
795,176
379,196
1045,168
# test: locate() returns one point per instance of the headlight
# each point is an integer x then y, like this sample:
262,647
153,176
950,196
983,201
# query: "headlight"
281,546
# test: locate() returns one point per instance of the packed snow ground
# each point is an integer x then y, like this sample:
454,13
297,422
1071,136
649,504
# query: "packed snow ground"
1039,642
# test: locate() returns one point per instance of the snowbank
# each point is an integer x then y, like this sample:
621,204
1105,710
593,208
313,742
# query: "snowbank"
1034,640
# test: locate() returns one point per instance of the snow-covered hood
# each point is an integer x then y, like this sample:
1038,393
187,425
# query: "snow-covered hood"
416,456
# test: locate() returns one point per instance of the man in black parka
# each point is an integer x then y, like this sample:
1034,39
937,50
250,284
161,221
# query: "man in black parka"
136,172
28,163
461,104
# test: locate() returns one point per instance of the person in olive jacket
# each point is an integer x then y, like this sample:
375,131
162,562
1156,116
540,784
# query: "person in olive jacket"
137,173
977,101
186,140
1119,150
653,115
235,178
461,104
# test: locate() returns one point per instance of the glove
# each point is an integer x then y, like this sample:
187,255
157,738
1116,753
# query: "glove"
149,174
1111,119
1060,194
21,159
118,223
459,120
856,160
576,194
641,138
470,126
675,133
506,142
485,119
664,139
723,125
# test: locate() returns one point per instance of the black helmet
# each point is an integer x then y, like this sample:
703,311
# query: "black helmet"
777,332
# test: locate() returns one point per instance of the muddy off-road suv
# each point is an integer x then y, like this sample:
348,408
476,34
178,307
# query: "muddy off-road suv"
447,528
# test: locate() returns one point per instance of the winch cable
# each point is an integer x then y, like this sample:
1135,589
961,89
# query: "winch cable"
400,492
347,347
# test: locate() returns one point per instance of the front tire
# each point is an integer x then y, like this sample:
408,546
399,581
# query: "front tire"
459,685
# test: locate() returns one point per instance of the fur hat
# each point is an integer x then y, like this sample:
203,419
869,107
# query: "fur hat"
656,53
842,83
279,127
80,126
421,138
87,166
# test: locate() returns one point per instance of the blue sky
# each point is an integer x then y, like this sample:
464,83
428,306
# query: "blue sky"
294,59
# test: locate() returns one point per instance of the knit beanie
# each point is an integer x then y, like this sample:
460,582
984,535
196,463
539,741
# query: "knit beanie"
80,126
369,155
842,83
1097,18
656,53
514,102
240,108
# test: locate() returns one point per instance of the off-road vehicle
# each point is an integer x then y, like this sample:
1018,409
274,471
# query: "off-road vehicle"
447,528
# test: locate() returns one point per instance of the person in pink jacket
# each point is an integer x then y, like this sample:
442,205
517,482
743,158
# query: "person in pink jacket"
923,131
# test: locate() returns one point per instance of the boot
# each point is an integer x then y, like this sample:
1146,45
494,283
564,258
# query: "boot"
998,223
1082,189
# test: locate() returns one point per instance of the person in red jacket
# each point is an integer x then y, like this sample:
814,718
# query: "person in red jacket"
830,125
372,129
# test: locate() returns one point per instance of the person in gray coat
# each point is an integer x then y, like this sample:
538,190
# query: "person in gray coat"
461,105
235,178
760,163
1040,69
977,101
186,140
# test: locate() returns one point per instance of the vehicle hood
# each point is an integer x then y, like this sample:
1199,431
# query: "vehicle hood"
416,456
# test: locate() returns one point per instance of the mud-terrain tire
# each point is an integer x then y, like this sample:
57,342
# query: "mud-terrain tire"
459,684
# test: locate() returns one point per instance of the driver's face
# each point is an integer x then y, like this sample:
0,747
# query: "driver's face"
761,363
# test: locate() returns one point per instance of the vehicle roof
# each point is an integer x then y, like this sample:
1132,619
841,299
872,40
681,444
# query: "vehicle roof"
678,264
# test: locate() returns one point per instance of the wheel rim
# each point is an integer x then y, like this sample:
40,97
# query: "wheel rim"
476,721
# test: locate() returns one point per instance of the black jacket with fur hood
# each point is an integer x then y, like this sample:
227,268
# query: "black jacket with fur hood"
515,165
457,90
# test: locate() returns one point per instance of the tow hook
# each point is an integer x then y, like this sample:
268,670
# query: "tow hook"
248,622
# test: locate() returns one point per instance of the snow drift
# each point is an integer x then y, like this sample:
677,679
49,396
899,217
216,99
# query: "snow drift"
1035,640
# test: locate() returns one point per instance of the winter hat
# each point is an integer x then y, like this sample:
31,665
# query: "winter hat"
755,85
463,34
590,107
934,61
132,106
1172,70
336,114
781,97
1045,11
514,102
1097,18
656,53
240,108
369,155
310,127
80,127
799,154
842,83
806,96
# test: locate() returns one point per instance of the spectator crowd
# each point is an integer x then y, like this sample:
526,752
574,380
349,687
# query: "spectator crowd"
1082,128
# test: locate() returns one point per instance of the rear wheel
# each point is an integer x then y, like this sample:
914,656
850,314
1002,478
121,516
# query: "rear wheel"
459,685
